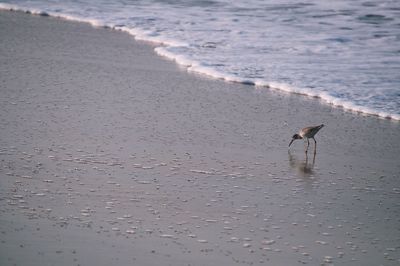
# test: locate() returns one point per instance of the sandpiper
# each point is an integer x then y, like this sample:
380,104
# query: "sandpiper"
308,133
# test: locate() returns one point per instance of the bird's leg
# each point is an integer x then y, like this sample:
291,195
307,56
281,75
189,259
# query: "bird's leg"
308,144
315,146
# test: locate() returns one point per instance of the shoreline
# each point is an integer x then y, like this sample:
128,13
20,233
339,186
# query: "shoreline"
193,67
111,155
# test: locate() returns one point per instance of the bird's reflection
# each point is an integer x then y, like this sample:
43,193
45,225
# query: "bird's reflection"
304,167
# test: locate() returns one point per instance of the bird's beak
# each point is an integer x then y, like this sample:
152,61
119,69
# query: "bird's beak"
291,142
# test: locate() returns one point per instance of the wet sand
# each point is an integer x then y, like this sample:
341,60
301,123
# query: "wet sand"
111,155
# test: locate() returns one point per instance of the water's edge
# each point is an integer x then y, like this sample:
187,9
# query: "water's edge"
193,66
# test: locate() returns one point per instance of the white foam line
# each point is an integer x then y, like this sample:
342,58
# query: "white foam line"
93,22
11,7
193,66
325,97
147,36
179,59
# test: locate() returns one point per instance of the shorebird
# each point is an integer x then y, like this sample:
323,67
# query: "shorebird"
308,133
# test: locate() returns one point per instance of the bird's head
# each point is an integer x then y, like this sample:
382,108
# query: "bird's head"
295,136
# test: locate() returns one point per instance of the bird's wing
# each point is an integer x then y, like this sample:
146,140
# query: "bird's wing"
310,131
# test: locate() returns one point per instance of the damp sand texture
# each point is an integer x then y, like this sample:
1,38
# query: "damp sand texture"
111,155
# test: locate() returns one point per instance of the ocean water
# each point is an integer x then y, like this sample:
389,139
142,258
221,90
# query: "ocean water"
343,52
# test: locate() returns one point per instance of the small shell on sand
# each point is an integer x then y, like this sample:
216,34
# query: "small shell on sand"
166,236
268,242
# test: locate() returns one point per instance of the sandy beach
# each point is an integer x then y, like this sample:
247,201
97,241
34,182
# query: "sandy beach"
112,155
